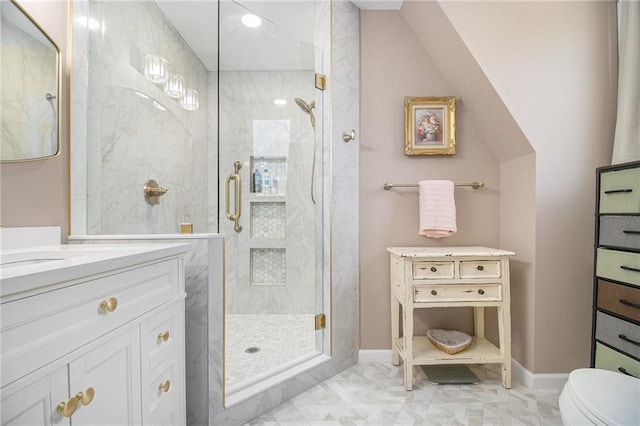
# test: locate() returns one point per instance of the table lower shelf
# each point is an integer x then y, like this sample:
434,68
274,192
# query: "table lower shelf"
481,351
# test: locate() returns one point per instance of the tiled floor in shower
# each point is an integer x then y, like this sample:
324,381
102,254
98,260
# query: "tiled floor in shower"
280,338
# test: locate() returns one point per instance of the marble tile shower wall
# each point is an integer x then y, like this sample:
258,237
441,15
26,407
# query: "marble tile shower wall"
272,239
130,137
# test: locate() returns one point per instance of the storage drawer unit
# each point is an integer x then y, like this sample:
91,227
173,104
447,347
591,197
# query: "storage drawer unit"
616,311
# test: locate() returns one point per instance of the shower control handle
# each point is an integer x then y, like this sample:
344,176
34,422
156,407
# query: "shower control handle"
348,137
235,216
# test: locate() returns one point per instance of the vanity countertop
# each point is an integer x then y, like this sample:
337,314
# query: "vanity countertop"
24,272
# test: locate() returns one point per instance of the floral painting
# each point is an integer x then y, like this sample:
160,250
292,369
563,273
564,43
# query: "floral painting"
429,126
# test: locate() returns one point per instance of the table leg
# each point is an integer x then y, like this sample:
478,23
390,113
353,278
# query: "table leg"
395,329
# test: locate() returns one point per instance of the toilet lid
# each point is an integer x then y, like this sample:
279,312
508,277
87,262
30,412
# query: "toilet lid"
606,396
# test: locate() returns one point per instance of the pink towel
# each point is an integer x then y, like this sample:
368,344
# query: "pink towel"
437,208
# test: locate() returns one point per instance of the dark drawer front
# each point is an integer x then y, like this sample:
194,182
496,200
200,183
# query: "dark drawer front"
619,299
620,231
618,333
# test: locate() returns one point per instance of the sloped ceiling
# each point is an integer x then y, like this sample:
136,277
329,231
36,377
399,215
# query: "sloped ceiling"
457,64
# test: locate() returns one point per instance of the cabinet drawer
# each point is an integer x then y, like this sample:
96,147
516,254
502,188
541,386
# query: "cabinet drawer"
480,269
620,334
620,231
619,299
161,335
457,293
162,388
36,330
620,191
609,359
619,266
432,270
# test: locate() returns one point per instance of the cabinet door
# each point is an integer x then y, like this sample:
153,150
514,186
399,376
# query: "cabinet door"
34,402
113,371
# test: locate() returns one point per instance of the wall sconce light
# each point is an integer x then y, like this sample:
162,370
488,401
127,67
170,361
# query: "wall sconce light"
190,100
174,86
156,69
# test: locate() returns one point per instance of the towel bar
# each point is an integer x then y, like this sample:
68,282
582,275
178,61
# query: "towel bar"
388,186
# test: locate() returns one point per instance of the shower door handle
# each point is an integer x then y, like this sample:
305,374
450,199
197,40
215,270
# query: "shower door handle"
235,216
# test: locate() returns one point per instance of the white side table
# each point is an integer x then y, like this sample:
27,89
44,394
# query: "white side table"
437,277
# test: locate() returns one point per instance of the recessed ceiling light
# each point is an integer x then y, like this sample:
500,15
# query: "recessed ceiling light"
280,102
251,20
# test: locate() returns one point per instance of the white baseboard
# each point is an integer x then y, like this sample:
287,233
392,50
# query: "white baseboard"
518,372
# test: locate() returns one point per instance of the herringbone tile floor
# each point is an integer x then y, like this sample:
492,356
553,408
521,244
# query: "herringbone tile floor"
372,393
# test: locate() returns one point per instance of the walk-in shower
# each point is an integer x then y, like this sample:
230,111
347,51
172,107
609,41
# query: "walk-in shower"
215,127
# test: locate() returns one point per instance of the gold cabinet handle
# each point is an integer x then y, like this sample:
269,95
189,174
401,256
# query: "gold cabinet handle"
109,305
163,336
164,387
86,397
68,408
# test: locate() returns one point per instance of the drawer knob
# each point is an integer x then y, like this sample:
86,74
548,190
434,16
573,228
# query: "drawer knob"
481,291
480,268
434,269
109,305
68,408
163,337
164,387
434,292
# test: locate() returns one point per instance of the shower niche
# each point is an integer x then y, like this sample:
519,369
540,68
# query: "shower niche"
272,169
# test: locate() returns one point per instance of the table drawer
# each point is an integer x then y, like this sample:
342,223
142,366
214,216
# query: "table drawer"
620,334
457,293
55,323
620,231
480,269
620,191
609,359
432,270
619,299
161,335
619,266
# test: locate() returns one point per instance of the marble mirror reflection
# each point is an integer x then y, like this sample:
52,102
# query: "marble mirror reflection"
29,87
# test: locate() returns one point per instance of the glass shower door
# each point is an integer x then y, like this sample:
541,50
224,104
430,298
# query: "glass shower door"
271,207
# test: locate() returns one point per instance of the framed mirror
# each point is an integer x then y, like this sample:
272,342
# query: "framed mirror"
29,87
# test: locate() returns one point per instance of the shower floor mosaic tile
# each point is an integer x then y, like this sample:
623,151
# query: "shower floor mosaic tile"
372,393
279,338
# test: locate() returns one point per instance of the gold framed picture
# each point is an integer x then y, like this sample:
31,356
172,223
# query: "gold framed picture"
430,125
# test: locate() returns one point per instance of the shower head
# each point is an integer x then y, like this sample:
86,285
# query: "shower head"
308,108
305,106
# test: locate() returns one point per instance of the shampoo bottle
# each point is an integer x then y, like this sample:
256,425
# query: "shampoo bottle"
257,181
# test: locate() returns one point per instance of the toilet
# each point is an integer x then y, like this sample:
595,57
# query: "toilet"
599,397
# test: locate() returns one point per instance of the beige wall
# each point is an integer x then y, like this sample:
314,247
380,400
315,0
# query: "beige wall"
552,65
35,193
394,65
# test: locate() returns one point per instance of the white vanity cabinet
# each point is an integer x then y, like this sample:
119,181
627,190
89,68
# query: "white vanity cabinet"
105,347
